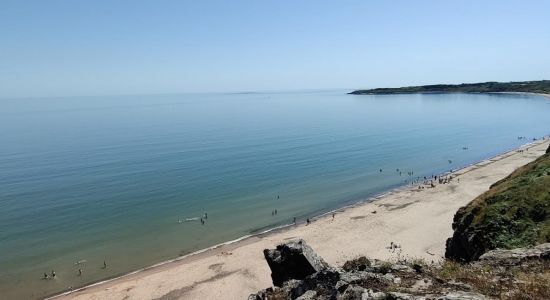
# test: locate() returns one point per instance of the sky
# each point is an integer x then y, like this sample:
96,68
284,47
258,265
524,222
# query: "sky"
106,47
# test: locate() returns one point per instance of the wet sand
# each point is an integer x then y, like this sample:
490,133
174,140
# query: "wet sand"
419,220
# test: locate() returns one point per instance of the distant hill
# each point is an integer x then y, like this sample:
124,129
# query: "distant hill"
514,212
541,86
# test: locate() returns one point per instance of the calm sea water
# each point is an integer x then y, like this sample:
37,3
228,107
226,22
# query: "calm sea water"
107,178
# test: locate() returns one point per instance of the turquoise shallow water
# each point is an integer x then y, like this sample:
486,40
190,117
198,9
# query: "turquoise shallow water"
107,178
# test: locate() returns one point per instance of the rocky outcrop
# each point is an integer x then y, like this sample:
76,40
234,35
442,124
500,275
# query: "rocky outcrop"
467,242
293,260
299,273
516,256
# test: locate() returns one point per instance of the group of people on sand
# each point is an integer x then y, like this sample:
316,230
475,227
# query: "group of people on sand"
430,181
52,274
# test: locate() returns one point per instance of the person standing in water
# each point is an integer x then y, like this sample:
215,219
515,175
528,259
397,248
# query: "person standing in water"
294,221
53,274
79,272
104,265
205,216
45,275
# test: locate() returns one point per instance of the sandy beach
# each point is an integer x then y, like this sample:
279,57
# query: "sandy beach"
524,93
419,220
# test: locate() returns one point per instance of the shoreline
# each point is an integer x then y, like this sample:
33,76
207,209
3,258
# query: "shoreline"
222,249
443,92
523,93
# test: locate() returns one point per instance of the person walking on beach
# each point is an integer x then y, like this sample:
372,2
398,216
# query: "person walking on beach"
333,216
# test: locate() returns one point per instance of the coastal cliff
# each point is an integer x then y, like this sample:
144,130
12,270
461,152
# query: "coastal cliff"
541,86
515,212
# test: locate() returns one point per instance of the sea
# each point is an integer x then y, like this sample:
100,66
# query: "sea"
125,179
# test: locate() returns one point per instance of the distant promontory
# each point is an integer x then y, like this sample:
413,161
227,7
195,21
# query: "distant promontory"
540,87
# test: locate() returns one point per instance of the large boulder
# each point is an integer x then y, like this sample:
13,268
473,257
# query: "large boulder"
293,260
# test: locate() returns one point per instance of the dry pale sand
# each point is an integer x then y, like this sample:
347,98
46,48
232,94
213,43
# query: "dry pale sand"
420,221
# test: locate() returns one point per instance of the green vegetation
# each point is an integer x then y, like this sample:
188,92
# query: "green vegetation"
514,213
542,86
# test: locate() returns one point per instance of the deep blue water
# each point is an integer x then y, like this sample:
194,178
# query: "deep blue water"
107,178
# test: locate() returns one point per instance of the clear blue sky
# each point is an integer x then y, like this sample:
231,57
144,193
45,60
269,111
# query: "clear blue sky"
72,47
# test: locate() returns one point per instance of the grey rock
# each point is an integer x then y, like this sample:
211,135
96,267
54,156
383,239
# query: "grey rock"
353,292
261,295
295,288
402,296
421,285
309,295
371,295
402,268
293,260
352,277
388,277
516,256
459,295
341,286
254,297
358,264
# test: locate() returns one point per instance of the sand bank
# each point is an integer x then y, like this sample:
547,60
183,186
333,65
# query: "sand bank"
523,93
419,220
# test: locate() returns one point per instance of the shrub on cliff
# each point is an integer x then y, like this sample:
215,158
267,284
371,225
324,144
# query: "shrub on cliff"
514,213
